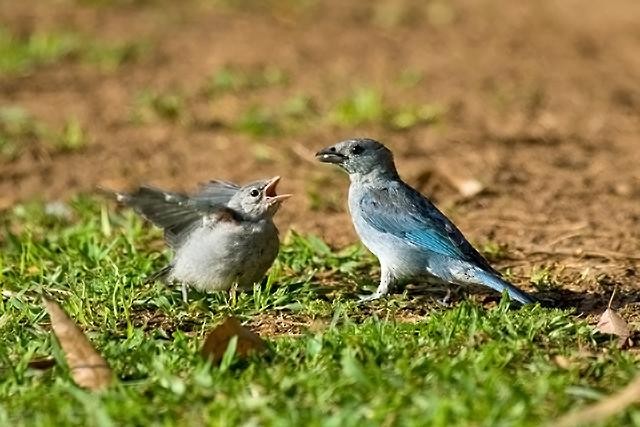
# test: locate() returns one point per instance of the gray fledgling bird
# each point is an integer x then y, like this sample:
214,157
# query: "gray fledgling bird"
412,239
222,236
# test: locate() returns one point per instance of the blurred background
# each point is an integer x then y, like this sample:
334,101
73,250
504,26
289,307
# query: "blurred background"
520,119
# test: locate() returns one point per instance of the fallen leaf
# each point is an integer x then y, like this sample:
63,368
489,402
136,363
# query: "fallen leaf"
469,187
562,361
218,339
605,408
87,366
466,185
42,363
612,323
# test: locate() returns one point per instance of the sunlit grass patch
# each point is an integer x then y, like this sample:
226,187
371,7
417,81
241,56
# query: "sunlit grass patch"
367,105
20,54
20,132
291,116
73,136
544,277
236,79
361,365
151,105
17,130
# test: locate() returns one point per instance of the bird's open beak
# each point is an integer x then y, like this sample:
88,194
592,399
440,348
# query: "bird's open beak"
270,194
330,155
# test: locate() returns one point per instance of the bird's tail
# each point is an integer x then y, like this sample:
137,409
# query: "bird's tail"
160,207
489,279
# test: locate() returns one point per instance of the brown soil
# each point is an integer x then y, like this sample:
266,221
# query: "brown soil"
542,101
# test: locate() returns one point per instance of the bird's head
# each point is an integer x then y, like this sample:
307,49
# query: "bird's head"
359,157
258,199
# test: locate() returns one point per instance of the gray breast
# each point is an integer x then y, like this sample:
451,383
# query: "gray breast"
217,258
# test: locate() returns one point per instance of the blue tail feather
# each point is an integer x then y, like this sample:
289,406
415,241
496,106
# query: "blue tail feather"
496,283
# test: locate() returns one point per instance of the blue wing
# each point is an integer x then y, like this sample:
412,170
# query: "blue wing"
399,210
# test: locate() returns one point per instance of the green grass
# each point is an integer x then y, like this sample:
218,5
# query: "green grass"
19,131
151,105
290,117
258,121
73,136
297,113
19,54
368,365
544,278
236,79
366,105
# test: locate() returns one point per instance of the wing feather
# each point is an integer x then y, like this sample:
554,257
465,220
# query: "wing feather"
176,213
418,222
216,192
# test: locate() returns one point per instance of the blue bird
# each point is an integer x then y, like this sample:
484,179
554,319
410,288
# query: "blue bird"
411,238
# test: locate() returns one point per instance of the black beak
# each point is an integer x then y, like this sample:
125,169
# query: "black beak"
330,155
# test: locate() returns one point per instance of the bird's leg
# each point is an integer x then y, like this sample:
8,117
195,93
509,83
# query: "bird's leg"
183,288
451,296
387,282
446,300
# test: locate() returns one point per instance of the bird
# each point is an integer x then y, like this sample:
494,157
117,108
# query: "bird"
223,236
412,239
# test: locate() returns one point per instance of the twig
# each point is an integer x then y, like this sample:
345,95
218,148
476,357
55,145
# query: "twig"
303,152
605,408
520,224
584,253
565,237
615,288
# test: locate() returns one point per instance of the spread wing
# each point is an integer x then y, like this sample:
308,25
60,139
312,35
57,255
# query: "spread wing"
176,213
403,212
216,192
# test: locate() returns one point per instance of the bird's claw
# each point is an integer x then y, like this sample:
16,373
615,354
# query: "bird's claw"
446,300
367,298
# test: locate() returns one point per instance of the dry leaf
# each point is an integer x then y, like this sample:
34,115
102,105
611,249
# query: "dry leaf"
88,368
42,363
611,322
605,408
467,186
218,339
562,361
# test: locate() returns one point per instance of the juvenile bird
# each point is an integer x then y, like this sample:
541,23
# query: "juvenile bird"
412,239
221,236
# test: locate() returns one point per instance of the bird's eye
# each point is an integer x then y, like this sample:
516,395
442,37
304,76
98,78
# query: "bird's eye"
254,193
357,149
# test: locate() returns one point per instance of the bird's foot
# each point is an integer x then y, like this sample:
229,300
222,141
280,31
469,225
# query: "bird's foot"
372,297
233,293
446,301
451,297
183,288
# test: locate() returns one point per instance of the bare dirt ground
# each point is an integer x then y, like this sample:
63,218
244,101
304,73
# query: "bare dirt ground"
542,106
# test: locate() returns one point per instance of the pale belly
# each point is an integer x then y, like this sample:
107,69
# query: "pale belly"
217,259
406,263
